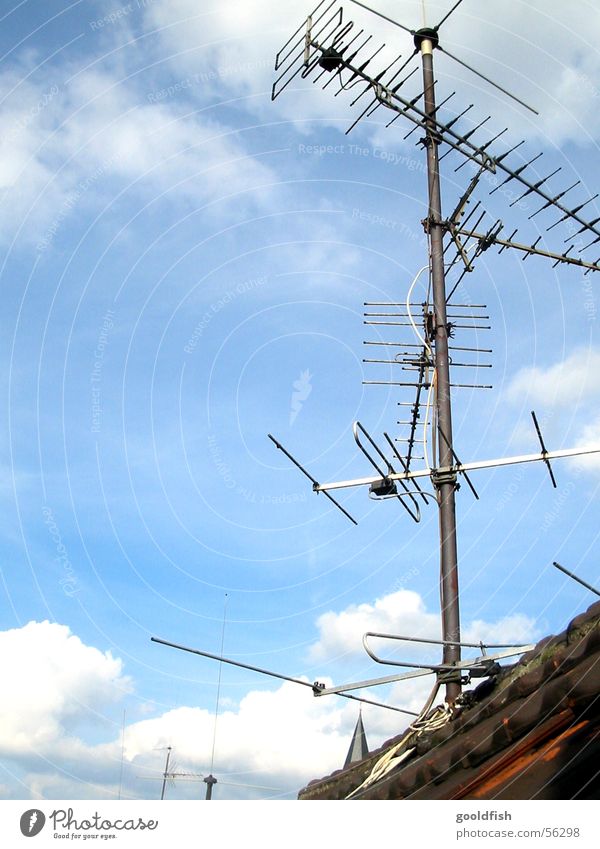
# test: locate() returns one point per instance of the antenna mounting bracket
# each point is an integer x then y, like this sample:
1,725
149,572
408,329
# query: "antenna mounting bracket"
443,476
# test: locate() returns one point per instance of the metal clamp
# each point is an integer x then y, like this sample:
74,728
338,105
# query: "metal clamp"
440,478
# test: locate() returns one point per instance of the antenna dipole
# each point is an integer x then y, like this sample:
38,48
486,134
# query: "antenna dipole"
445,483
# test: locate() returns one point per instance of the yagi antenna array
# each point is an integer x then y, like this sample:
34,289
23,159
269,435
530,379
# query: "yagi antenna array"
334,53
325,47
411,365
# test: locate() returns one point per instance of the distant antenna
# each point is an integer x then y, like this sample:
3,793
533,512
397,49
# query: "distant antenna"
165,774
172,776
329,50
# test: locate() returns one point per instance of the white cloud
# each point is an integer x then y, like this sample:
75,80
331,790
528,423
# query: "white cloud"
55,684
565,394
198,155
544,55
589,438
52,681
278,738
63,146
514,628
404,612
560,385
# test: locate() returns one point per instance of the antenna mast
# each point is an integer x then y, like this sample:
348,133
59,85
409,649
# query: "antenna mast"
445,483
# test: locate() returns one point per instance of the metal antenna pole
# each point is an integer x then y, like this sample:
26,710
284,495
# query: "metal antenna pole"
425,41
214,740
165,774
210,781
122,755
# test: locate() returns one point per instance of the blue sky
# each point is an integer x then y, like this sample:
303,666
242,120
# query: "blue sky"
184,267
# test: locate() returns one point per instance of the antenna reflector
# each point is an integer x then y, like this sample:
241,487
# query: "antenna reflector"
314,482
544,449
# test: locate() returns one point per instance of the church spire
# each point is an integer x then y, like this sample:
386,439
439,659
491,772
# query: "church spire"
359,748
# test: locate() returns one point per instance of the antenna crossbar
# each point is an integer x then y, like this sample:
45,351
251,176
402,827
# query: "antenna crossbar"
270,673
487,241
427,641
461,467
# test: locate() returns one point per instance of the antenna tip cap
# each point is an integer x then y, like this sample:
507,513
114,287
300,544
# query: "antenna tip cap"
426,33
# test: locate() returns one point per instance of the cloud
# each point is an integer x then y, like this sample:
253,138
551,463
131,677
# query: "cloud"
514,628
589,438
560,385
280,738
276,738
404,612
568,393
55,684
192,154
556,70
52,682
75,144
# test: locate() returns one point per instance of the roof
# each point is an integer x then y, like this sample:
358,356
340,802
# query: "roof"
533,731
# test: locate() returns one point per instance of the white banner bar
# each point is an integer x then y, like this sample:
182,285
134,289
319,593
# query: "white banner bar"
271,825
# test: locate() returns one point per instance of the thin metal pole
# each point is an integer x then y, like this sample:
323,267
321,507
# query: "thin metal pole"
212,756
122,755
165,774
445,483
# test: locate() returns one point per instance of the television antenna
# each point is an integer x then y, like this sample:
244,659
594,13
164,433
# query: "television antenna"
165,775
334,53
173,775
